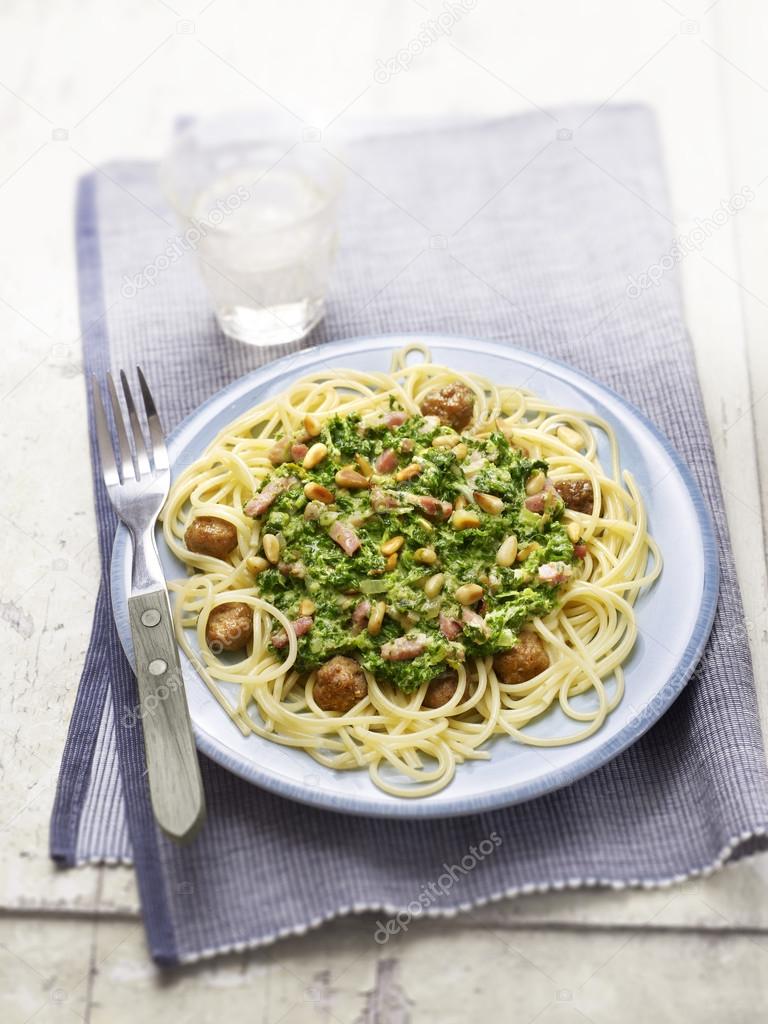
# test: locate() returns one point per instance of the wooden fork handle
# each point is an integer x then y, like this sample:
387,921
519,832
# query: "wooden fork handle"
175,785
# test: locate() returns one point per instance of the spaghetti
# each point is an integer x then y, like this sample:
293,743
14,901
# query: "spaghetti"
409,740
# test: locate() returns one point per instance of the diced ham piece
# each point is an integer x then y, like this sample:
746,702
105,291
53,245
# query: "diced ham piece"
537,502
430,506
434,508
545,499
301,626
260,502
382,501
555,573
345,537
473,620
386,462
405,648
450,628
279,452
580,550
395,419
361,614
298,451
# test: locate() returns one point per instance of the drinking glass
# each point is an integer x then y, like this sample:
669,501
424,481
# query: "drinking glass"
259,208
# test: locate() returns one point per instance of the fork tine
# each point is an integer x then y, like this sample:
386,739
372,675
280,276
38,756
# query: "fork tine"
142,460
107,452
126,468
159,451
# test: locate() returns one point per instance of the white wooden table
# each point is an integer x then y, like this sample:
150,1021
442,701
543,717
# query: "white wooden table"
86,82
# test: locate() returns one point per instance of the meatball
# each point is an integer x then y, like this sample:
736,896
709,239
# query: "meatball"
339,684
453,405
209,535
524,661
441,689
229,626
577,495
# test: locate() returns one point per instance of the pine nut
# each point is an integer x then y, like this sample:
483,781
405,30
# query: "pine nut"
312,425
316,492
527,551
425,524
364,466
469,593
391,563
307,607
315,455
408,472
393,544
425,556
489,503
434,584
352,480
535,483
460,503
461,451
376,618
256,564
271,546
571,437
445,440
465,519
507,552
574,531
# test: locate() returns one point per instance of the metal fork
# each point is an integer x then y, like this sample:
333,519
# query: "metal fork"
137,484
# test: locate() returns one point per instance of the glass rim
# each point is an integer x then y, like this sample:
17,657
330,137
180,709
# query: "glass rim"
332,190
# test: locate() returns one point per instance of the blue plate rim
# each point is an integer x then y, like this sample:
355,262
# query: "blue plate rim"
518,792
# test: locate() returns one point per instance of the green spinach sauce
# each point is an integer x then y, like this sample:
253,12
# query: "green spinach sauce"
314,568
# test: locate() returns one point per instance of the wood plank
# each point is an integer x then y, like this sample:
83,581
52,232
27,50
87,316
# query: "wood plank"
427,973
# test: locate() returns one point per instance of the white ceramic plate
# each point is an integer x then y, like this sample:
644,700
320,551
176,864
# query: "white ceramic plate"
674,616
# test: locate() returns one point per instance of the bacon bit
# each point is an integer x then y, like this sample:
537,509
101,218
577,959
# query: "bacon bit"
382,501
278,453
555,573
537,502
395,419
345,537
301,626
260,502
473,620
544,499
298,451
386,462
361,614
580,550
431,507
450,628
405,648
